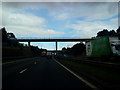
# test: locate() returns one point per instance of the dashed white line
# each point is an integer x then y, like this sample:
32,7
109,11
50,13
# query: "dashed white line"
25,59
88,83
22,71
35,62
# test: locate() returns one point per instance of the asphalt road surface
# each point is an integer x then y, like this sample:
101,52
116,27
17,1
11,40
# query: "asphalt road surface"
39,72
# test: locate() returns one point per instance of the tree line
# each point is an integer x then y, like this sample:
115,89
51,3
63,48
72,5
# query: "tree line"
80,48
9,40
111,33
76,50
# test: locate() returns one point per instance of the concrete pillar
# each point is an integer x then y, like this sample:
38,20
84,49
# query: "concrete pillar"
56,47
29,43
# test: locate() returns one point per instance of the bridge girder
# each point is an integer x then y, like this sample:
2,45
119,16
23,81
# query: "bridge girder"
54,40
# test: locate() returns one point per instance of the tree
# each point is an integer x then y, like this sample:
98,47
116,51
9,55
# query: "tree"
63,50
68,51
112,33
103,33
118,32
4,35
10,35
78,49
9,38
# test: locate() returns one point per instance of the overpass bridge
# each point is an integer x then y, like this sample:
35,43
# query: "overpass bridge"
29,40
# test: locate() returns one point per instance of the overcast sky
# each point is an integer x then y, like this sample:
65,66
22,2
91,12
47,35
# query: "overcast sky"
58,19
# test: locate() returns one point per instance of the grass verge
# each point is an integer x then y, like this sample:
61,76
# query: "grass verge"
106,76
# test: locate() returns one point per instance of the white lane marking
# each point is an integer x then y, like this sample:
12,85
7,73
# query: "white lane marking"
22,71
86,82
35,62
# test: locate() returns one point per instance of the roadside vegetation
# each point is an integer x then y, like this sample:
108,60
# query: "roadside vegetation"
79,49
13,50
106,77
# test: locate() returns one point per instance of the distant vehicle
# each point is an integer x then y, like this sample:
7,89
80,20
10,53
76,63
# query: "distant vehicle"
43,53
49,53
65,55
103,47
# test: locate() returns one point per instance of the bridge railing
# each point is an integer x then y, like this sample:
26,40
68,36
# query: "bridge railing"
50,38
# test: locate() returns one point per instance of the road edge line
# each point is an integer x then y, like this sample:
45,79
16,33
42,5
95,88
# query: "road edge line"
80,78
23,71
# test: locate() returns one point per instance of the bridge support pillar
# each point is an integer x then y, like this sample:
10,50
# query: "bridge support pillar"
56,47
29,43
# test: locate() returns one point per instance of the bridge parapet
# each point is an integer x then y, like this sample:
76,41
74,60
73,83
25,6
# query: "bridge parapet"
51,38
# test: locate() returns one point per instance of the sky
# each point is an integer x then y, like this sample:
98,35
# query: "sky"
58,20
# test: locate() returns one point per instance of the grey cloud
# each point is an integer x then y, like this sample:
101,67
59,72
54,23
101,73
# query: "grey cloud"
61,0
59,5
90,10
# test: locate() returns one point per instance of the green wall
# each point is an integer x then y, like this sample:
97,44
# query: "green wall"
101,47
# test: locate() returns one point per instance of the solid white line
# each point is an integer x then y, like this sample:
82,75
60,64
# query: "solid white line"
88,83
22,71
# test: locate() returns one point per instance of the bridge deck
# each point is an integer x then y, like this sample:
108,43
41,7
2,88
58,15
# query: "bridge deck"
53,40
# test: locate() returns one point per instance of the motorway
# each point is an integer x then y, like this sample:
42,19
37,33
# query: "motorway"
38,72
